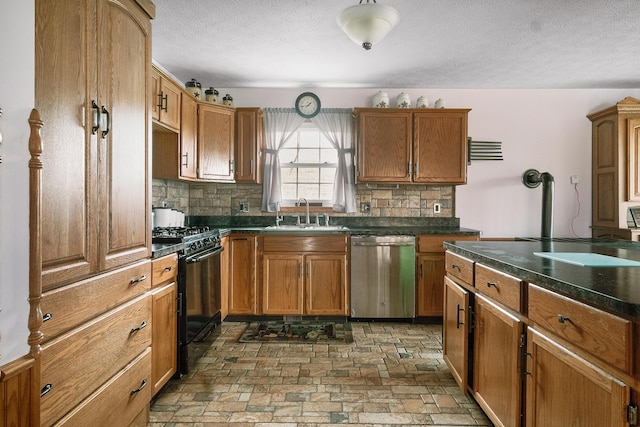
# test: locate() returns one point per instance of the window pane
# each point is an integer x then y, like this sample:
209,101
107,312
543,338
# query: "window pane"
309,138
309,156
324,142
287,155
308,175
309,191
326,191
289,192
289,175
329,155
327,175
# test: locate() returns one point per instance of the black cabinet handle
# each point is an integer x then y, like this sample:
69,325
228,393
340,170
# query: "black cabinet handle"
168,268
492,284
96,125
46,316
186,160
165,102
46,389
563,319
455,267
106,131
142,325
160,99
138,280
458,322
143,384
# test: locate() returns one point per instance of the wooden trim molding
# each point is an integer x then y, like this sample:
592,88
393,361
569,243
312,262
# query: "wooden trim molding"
35,259
16,380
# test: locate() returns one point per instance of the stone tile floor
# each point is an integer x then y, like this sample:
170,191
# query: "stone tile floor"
391,375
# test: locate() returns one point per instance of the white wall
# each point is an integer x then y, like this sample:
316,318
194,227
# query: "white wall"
543,129
16,101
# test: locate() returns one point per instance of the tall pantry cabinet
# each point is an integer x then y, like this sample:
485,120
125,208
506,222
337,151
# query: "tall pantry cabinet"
92,67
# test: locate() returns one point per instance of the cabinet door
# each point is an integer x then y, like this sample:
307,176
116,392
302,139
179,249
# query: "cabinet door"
564,389
282,289
455,336
170,107
440,147
215,142
156,95
188,138
65,87
633,166
242,279
497,375
325,285
249,137
384,147
429,286
224,277
124,62
164,336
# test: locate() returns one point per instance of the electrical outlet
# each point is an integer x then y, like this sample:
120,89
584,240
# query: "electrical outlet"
436,208
365,207
244,207
575,179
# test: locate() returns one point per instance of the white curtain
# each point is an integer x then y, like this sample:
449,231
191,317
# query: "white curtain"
336,125
279,125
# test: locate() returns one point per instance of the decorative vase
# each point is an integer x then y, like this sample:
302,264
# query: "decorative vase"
194,88
381,100
439,103
228,100
211,95
403,100
422,102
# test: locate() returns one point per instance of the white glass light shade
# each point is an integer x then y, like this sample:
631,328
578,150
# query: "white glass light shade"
367,24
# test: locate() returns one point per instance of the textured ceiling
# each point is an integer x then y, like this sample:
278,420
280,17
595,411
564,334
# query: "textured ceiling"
437,44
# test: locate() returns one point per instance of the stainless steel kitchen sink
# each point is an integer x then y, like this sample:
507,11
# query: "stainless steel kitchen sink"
306,227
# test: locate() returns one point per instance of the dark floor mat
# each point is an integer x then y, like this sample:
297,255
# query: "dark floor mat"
298,332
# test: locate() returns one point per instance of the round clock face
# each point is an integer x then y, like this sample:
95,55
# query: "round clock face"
308,105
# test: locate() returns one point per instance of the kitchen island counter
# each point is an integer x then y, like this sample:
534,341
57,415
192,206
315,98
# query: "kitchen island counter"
616,289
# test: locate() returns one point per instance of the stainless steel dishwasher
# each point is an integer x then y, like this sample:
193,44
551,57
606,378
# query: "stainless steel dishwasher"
383,277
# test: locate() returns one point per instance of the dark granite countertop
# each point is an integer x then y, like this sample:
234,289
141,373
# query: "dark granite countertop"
161,249
616,289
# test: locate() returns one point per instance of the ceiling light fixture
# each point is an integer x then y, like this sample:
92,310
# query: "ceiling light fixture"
367,24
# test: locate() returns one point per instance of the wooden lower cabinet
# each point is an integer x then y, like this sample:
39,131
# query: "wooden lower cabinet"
242,274
312,284
563,389
455,336
430,271
224,277
497,375
164,335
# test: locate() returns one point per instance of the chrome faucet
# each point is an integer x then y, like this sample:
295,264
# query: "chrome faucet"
307,205
279,218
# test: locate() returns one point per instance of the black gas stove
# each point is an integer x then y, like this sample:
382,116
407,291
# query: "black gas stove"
199,284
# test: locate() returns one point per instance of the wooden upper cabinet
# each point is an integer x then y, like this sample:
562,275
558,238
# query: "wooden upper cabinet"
189,138
165,102
384,146
216,128
440,146
412,145
249,144
615,163
96,201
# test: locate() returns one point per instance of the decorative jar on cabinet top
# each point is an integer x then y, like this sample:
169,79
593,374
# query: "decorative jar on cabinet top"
194,88
381,100
422,102
403,100
211,95
227,100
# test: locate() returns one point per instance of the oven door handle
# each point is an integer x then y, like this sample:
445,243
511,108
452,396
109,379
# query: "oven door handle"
199,257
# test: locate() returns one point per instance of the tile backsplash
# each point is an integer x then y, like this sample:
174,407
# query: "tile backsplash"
385,200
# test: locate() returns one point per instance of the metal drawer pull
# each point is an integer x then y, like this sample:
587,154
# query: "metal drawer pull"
563,319
186,160
46,389
96,118
490,284
458,322
142,325
160,100
138,280
456,266
46,316
143,384
168,268
108,129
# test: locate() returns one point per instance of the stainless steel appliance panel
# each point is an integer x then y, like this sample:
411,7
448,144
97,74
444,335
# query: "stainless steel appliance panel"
383,277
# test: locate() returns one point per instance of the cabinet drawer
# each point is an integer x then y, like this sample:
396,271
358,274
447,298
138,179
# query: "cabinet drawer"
74,365
604,335
500,287
288,243
165,270
113,404
459,267
65,308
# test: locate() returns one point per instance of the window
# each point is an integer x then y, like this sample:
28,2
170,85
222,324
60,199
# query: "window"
308,165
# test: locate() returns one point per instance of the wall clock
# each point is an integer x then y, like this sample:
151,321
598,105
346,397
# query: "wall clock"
308,105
